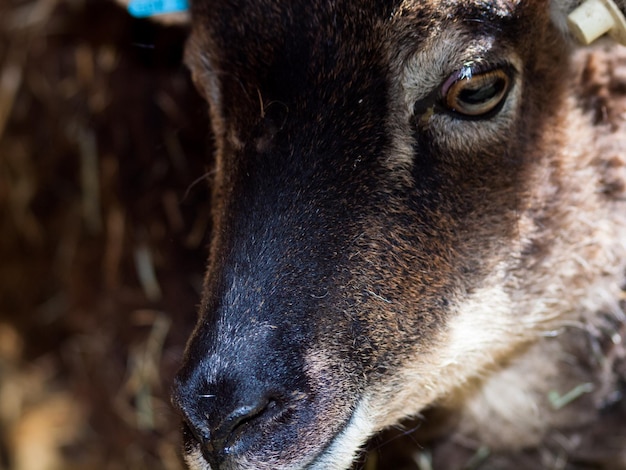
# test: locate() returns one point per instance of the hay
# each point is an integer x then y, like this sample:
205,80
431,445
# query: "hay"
103,234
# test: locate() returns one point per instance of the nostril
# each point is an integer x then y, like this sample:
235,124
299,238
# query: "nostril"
239,418
236,423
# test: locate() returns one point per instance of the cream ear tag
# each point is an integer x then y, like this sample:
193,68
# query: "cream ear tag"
147,8
593,18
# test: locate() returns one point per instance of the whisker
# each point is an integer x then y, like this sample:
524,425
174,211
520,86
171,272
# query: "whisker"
195,182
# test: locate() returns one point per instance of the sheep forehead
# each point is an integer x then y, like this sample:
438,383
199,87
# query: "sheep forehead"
257,23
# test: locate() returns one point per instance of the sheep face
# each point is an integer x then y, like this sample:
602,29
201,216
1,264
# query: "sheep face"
386,177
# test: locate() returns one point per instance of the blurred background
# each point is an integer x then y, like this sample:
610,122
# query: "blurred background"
103,223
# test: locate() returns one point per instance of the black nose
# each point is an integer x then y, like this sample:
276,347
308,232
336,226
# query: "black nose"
224,425
240,397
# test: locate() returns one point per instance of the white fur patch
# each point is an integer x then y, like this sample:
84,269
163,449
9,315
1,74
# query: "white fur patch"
195,461
346,445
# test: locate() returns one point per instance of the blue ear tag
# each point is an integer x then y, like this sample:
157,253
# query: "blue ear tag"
145,8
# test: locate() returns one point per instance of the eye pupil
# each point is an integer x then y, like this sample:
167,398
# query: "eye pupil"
480,95
477,95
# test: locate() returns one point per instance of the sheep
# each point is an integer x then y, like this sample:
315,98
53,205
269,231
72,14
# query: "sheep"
419,206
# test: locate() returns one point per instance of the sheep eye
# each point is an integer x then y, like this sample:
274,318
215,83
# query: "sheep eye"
476,95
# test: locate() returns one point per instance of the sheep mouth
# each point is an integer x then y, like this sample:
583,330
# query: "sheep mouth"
339,453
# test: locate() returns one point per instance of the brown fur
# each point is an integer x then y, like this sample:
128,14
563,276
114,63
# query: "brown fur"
420,261
587,352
